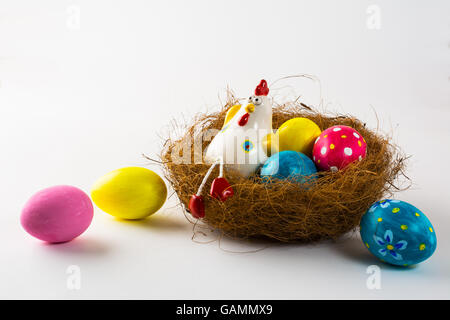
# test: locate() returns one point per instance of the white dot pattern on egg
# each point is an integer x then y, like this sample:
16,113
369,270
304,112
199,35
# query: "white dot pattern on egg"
337,147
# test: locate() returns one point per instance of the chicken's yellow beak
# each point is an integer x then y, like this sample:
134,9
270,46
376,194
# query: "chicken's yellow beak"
250,108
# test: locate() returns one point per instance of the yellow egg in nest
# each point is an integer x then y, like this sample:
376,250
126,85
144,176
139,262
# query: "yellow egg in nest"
298,134
130,193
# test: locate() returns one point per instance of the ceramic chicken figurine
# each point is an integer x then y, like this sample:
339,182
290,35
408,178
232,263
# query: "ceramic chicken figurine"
238,145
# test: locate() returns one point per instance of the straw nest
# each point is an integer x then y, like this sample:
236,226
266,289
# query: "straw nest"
285,211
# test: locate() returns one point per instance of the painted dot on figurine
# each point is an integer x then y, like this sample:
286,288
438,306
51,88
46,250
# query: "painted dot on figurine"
247,146
57,214
401,238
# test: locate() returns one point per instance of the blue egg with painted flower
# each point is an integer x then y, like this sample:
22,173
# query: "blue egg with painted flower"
398,233
289,165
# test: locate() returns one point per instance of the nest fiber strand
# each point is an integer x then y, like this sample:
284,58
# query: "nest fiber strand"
285,211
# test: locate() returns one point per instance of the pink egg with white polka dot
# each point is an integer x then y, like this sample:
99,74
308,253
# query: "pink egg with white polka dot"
337,147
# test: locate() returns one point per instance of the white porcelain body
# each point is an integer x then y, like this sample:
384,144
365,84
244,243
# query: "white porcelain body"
241,147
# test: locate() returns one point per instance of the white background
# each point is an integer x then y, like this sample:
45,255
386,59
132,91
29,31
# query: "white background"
81,97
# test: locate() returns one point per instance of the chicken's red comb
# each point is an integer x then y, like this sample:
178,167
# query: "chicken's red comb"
262,89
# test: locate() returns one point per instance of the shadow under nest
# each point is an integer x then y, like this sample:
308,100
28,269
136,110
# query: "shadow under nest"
285,211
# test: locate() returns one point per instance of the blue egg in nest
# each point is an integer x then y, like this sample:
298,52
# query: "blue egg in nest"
398,233
289,165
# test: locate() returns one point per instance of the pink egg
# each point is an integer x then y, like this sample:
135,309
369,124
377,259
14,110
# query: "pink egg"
338,146
57,214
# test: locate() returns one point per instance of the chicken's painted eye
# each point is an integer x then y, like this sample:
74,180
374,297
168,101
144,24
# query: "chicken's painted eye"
250,99
257,101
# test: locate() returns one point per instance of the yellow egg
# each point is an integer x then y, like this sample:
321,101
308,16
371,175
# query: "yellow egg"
129,193
298,134
270,144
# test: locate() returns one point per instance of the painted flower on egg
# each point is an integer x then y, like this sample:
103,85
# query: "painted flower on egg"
387,245
383,204
337,147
